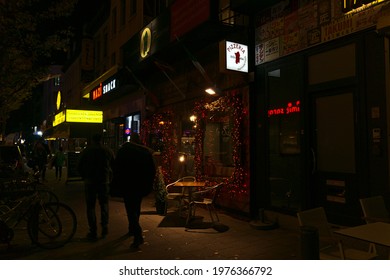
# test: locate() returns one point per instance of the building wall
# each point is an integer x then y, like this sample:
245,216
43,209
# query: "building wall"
334,81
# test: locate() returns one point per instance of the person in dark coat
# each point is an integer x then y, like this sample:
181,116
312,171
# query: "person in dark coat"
95,167
134,173
40,153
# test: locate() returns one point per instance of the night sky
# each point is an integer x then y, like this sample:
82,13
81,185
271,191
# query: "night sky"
27,116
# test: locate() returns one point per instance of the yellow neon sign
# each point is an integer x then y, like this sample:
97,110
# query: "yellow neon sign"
349,6
58,103
59,118
84,116
146,42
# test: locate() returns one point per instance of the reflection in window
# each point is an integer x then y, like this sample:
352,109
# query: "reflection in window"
132,124
186,152
218,146
284,133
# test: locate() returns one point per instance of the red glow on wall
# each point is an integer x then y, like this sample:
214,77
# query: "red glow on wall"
292,107
188,14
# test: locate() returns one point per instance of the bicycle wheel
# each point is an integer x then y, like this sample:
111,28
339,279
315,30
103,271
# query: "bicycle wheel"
48,196
52,225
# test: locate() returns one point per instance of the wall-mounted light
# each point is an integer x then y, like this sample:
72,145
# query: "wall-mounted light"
210,91
213,90
182,158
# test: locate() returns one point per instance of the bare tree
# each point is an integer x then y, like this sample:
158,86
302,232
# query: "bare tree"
32,34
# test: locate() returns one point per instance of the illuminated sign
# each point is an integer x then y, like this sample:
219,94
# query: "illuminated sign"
236,57
103,89
97,92
146,42
59,118
111,85
289,109
84,116
349,5
58,102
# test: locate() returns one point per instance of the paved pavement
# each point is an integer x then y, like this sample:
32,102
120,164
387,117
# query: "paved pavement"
166,238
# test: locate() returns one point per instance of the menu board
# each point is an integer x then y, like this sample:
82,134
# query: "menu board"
73,160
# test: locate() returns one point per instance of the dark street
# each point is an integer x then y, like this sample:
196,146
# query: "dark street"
165,237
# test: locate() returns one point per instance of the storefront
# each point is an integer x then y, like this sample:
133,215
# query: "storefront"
321,113
116,94
72,130
175,58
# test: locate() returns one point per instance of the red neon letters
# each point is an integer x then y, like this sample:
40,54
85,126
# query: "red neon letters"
291,108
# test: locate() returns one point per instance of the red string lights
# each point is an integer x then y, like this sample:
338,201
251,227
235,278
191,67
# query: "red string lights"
237,183
160,129
158,132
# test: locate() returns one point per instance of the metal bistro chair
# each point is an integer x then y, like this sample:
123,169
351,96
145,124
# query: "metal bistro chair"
177,194
374,209
330,247
204,198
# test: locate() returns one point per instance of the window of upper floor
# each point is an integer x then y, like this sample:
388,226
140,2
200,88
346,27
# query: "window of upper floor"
133,7
122,12
105,45
229,17
114,19
57,81
113,59
152,8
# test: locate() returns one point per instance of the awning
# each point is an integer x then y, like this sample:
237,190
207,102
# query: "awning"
108,74
111,85
73,130
59,131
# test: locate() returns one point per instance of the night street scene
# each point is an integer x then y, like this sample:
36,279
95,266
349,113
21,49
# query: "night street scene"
195,130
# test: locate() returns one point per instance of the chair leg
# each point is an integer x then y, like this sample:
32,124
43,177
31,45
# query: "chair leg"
179,207
213,214
341,248
191,212
372,248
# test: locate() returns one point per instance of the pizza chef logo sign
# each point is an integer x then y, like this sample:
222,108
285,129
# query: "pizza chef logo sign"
236,57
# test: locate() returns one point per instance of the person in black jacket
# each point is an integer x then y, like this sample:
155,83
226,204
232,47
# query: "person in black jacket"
134,173
95,167
40,153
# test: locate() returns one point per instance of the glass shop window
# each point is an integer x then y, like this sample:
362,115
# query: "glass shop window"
218,146
284,135
132,124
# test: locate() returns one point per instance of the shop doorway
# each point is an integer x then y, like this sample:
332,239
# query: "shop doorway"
311,143
333,182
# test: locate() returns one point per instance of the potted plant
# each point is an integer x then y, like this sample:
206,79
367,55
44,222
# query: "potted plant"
160,192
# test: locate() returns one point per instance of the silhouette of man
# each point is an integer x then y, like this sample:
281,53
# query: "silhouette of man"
134,173
95,167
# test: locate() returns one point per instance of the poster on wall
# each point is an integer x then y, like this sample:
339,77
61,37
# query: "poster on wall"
310,23
324,12
271,49
259,54
290,43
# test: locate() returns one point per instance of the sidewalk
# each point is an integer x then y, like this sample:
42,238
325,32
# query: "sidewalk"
165,237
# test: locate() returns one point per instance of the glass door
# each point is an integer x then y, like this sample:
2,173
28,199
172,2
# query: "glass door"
285,180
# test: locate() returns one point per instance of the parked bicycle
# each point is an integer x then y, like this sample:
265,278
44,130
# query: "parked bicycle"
12,186
49,224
